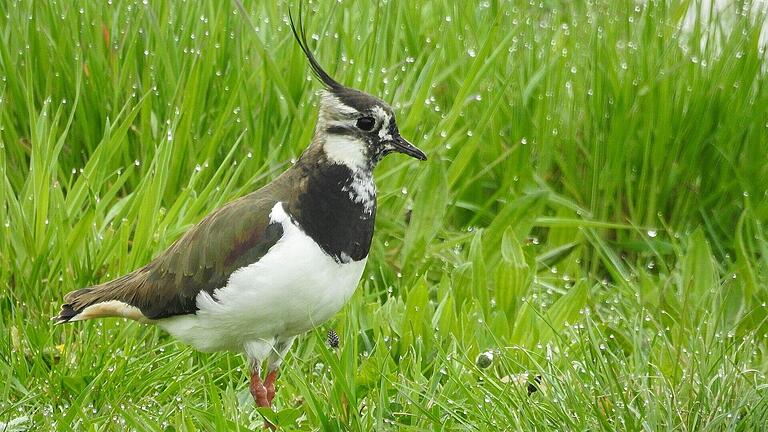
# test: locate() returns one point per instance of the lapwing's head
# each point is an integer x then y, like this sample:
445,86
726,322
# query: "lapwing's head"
354,128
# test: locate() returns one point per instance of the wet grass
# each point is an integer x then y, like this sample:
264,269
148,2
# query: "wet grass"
592,212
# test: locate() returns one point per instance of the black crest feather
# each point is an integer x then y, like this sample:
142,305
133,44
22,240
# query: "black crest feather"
301,38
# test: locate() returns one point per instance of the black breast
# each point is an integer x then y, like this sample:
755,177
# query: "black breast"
327,211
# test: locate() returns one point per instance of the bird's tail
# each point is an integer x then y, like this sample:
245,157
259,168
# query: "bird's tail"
73,306
106,300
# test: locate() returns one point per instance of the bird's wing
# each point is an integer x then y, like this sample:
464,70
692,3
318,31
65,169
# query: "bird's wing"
232,237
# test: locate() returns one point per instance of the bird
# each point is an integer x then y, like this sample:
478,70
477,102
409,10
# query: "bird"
276,263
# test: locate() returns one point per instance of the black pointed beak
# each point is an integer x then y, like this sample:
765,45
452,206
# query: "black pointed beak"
402,145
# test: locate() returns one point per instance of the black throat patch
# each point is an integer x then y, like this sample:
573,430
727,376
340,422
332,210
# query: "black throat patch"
332,211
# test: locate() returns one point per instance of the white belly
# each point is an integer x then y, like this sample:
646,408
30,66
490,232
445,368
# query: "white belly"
290,290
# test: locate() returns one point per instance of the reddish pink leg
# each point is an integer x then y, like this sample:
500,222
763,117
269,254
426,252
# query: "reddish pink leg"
269,384
263,393
258,391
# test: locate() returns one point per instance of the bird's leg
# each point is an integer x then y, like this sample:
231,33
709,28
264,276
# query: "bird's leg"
269,385
273,365
261,393
258,391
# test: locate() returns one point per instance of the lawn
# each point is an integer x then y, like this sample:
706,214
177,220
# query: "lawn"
590,223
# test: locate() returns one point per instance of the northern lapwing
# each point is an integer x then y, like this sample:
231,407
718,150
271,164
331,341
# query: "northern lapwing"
274,264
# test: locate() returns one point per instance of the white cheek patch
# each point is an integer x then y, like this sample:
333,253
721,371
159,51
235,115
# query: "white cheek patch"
346,150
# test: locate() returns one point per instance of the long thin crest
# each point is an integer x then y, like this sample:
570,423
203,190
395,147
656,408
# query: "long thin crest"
301,38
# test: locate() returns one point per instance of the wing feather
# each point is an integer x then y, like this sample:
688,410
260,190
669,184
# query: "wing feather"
234,236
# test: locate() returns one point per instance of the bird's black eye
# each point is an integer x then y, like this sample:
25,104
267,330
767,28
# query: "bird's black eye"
366,123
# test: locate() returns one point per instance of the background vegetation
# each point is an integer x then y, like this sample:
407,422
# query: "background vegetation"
592,211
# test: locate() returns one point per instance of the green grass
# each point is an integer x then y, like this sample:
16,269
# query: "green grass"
592,211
